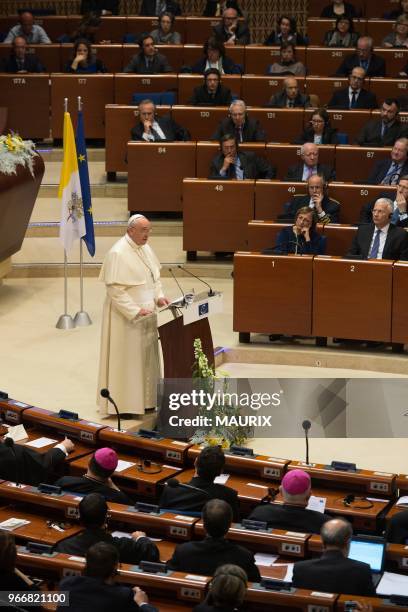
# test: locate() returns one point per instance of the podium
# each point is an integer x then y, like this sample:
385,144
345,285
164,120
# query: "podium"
177,336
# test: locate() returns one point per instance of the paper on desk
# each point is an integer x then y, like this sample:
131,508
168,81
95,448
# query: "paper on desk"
393,584
265,559
40,442
289,573
124,465
17,433
121,534
13,523
403,501
316,503
221,479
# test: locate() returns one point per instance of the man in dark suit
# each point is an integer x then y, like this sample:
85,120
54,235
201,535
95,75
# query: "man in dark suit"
211,93
103,7
354,96
239,123
397,528
388,171
400,204
154,8
374,65
290,96
231,163
151,128
309,152
93,511
148,60
385,131
292,515
201,488
232,31
20,60
333,572
380,239
203,557
214,8
325,210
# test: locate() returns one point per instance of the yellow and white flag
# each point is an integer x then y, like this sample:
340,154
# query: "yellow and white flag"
72,226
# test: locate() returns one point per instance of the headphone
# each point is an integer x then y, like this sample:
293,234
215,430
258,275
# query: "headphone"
351,501
149,467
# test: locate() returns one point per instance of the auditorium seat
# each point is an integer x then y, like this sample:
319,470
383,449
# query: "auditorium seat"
207,150
200,121
257,90
282,156
317,28
173,53
324,61
193,53
110,55
324,87
187,82
258,57
354,164
125,85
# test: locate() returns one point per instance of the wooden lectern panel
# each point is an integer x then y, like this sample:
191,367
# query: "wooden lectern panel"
264,300
352,299
216,214
399,303
156,172
177,342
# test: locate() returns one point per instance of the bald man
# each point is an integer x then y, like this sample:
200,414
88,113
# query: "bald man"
231,31
129,356
32,33
290,96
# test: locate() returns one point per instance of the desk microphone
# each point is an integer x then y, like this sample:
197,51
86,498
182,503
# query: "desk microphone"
173,483
178,285
306,426
10,443
105,393
211,292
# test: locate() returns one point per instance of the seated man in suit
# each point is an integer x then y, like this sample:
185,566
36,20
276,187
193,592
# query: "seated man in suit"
354,96
201,488
324,209
154,8
239,123
231,163
290,96
292,515
20,60
397,528
400,205
148,60
333,572
27,466
211,93
32,33
373,64
230,30
97,588
388,171
93,511
204,556
380,239
97,479
385,131
151,128
309,152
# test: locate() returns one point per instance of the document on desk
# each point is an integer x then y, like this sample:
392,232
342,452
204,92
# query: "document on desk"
393,584
17,433
124,465
265,559
221,479
289,573
403,501
40,442
13,523
316,503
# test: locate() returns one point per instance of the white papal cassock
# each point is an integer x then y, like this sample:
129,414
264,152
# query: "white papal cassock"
129,358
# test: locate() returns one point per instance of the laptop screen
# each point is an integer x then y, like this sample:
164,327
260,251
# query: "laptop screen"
368,551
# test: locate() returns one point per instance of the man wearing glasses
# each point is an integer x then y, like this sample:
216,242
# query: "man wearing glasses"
354,96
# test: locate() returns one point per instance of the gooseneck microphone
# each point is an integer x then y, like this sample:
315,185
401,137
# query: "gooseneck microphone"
178,285
211,292
105,393
306,426
10,443
174,482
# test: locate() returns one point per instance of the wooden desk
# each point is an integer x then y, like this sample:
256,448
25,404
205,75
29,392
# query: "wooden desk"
354,164
82,430
325,86
281,156
399,331
264,302
343,304
324,61
378,604
125,85
270,197
35,433
15,90
37,529
200,121
257,90
260,598
12,410
348,122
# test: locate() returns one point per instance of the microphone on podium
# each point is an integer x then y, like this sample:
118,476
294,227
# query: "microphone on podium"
211,292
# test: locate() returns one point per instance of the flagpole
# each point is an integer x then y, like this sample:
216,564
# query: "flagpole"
65,321
82,318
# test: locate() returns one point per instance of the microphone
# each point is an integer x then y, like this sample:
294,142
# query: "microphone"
179,286
10,443
105,393
174,482
211,292
306,426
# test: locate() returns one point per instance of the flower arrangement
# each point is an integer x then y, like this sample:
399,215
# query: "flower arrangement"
206,379
14,151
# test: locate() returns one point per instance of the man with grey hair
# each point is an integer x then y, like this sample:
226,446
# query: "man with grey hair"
240,124
129,355
380,239
373,64
333,572
388,171
151,128
309,154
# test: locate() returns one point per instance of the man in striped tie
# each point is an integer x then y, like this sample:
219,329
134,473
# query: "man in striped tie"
388,171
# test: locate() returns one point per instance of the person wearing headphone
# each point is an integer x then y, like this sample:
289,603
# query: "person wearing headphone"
400,205
319,130
286,32
301,238
226,590
211,93
245,128
324,208
380,239
148,60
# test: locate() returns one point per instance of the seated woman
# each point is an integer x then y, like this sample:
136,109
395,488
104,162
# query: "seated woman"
11,578
165,34
399,37
286,31
215,57
227,590
401,10
337,8
83,60
319,130
301,238
343,34
87,28
288,64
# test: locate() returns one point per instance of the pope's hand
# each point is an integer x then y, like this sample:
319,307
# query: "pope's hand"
143,312
163,301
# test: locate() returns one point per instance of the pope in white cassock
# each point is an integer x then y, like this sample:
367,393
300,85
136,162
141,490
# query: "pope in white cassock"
129,363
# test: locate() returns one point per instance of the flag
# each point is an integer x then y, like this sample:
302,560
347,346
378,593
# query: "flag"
89,237
72,226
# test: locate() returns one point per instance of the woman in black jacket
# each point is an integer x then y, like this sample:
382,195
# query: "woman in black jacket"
319,130
338,8
215,57
286,32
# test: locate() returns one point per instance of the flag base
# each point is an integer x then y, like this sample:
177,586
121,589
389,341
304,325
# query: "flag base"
82,319
65,322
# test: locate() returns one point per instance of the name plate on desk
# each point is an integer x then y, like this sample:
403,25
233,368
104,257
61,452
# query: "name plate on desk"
203,306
